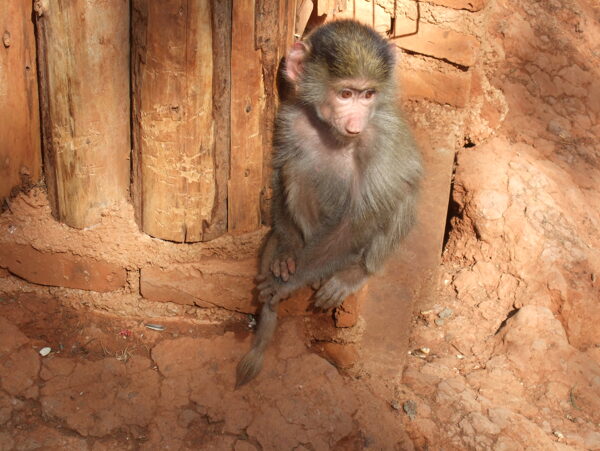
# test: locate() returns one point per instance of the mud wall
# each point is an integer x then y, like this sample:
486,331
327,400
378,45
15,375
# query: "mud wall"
514,347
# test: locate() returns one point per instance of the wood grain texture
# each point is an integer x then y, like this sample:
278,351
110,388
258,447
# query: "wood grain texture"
274,29
247,102
83,49
174,142
221,24
20,154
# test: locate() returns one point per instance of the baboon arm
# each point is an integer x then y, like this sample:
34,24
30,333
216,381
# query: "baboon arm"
384,243
288,233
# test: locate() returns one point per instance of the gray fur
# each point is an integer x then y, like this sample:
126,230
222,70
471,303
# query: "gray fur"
340,206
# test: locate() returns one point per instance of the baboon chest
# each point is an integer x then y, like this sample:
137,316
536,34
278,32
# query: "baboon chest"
318,194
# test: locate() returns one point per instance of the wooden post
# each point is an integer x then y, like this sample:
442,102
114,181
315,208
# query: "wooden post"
247,102
175,178
19,109
83,49
221,15
273,36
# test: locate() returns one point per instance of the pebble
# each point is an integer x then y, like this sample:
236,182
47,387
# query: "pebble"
420,353
45,351
559,435
446,313
410,408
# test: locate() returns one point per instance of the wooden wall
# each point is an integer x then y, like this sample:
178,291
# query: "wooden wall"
200,77
20,158
201,69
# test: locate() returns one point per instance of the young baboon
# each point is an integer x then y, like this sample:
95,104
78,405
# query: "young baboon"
345,174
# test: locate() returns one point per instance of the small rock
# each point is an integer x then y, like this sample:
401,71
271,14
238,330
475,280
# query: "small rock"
446,313
557,129
45,351
410,408
559,435
439,321
395,404
421,352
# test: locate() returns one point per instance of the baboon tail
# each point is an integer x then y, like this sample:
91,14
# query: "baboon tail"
252,362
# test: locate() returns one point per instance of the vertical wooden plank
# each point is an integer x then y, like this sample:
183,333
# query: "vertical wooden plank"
273,35
305,10
83,58
20,153
269,28
368,12
139,23
325,7
221,25
245,177
198,142
292,23
173,118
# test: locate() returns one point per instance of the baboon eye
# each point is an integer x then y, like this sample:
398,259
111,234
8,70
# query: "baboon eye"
345,93
369,94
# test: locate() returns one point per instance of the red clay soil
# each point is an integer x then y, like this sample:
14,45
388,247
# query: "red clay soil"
512,358
112,383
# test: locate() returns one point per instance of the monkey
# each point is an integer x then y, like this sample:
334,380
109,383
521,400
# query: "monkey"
346,175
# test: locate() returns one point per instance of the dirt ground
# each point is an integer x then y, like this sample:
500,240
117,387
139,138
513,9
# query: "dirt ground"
112,383
505,354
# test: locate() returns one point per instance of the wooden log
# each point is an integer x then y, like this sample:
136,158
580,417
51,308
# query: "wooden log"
83,49
174,137
269,35
247,102
20,154
221,16
274,35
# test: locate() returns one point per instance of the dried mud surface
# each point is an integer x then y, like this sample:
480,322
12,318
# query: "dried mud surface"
112,383
512,358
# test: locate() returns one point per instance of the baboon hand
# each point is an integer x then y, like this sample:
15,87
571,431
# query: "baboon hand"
271,292
283,266
267,287
332,293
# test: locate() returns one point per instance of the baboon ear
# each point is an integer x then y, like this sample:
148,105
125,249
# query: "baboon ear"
294,61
